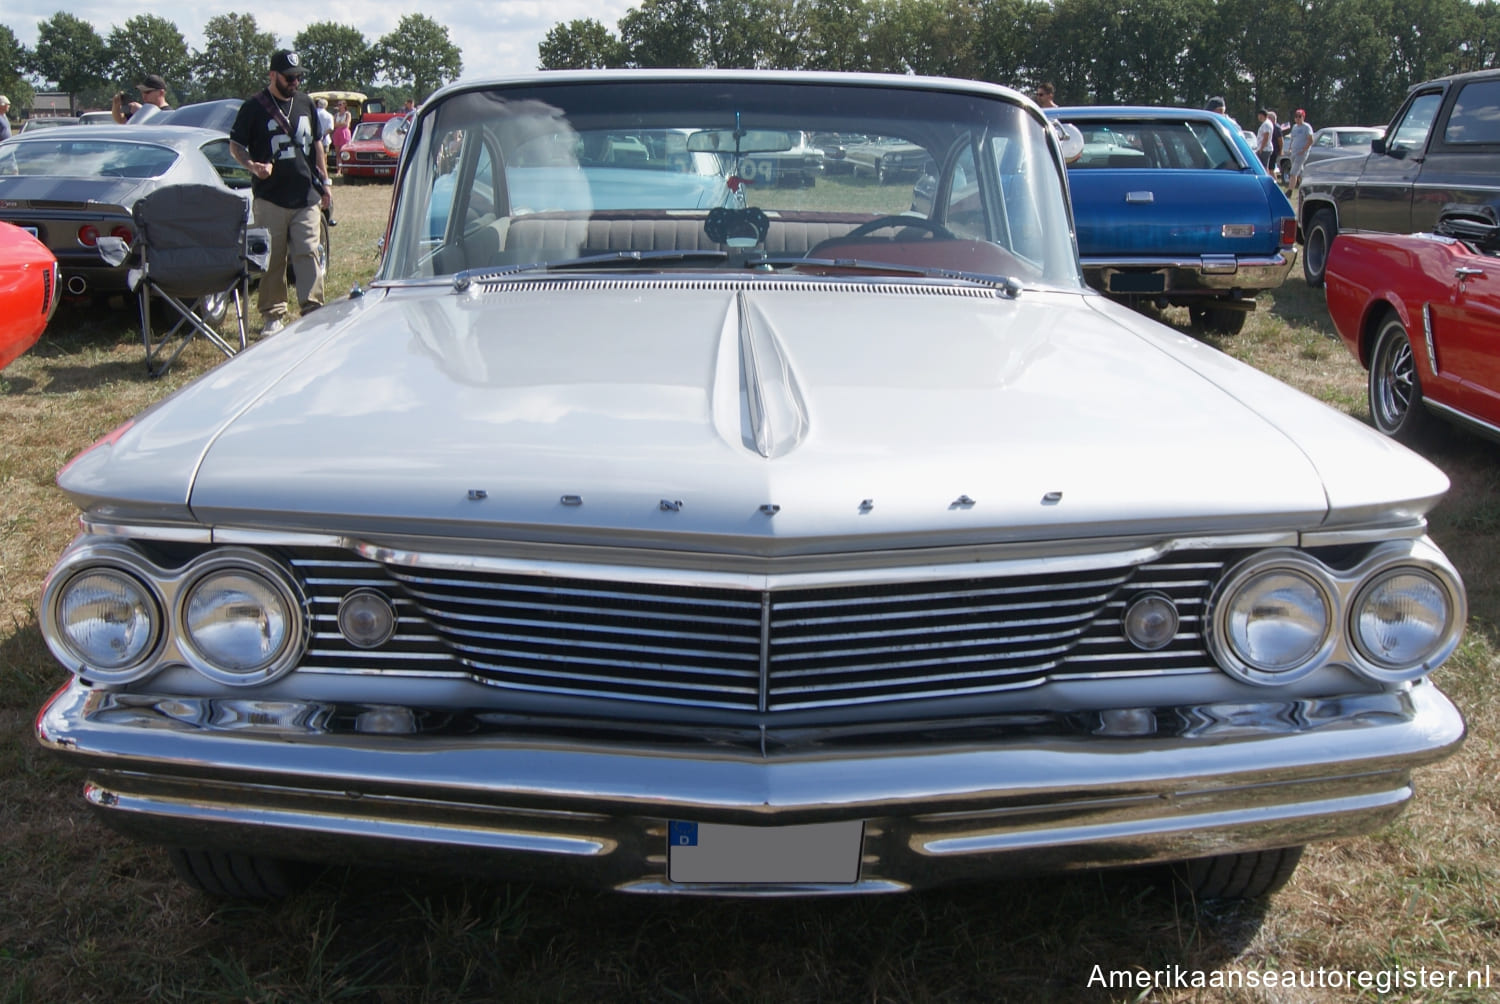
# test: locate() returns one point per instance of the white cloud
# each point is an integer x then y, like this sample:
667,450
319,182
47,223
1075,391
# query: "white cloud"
496,38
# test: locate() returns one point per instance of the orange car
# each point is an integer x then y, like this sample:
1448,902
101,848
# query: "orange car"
28,291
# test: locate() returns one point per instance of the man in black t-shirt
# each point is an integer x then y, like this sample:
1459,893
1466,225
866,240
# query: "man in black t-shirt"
277,138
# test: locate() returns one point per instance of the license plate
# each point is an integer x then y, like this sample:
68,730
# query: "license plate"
33,231
822,853
1137,282
383,170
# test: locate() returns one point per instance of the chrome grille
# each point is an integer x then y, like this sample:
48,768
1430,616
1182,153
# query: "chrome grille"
754,651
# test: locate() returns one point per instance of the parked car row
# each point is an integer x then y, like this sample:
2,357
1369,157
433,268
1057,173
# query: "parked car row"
753,548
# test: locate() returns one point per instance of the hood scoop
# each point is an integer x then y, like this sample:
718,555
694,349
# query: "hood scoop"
774,414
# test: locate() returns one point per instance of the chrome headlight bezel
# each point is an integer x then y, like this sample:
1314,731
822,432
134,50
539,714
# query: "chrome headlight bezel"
280,584
1345,591
1256,570
171,589
115,559
1439,573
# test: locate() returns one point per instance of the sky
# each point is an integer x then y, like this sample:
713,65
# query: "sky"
497,37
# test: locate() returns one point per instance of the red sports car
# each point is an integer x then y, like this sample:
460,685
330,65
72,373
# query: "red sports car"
28,291
365,155
1421,312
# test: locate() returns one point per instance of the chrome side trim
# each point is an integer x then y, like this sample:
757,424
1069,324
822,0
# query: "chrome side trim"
1432,359
1464,418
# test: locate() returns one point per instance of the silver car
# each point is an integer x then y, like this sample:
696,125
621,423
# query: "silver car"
796,545
69,187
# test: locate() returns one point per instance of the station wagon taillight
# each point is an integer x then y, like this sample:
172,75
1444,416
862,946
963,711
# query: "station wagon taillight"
1288,231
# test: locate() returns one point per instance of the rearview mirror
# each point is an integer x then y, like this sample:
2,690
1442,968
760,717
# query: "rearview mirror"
747,141
1377,145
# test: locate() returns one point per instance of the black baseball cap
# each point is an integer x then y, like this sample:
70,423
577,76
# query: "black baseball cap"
286,63
151,82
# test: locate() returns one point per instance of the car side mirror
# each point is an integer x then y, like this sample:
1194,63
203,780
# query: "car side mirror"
1377,145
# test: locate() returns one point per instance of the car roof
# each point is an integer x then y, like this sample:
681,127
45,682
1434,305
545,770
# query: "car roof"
799,77
178,137
1131,112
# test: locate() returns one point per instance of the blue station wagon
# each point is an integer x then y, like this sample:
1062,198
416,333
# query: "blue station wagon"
1173,209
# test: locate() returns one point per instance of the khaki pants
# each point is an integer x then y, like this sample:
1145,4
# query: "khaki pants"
294,232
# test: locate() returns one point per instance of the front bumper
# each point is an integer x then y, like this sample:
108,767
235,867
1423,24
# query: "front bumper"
1187,275
592,811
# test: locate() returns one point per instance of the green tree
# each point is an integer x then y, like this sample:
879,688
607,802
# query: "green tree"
235,58
664,33
836,32
150,44
419,56
581,44
787,34
70,53
1005,43
13,57
336,57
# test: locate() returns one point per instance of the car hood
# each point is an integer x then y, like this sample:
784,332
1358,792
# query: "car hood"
757,418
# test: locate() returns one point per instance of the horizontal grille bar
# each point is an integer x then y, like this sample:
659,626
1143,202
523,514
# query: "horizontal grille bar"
752,651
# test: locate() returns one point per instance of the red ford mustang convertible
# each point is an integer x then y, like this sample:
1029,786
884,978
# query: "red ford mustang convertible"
28,291
1421,312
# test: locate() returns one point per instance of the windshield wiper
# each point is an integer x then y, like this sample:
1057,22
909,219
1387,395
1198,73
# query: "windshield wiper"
610,259
1009,284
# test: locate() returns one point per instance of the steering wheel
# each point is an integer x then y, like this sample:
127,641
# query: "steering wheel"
920,222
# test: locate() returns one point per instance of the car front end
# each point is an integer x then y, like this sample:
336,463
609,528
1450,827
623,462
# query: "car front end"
744,565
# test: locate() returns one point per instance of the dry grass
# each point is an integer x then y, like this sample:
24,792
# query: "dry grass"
87,916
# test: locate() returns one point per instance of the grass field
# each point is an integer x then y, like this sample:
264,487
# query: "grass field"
87,916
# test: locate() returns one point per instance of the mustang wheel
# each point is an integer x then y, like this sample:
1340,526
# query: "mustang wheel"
1239,876
235,876
1395,388
1316,241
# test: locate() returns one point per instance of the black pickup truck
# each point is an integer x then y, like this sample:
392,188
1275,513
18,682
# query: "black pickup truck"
1442,147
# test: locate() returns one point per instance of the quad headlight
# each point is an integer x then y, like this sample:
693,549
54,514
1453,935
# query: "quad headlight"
238,619
112,615
1283,614
1274,619
105,619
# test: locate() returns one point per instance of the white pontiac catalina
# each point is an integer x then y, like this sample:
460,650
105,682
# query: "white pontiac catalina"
647,528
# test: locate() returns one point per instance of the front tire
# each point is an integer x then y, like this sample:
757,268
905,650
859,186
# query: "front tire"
1395,388
229,875
1253,875
1316,241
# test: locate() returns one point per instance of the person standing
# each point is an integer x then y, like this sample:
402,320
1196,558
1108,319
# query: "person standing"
1263,137
1216,105
277,138
1046,96
4,118
1299,141
153,90
343,126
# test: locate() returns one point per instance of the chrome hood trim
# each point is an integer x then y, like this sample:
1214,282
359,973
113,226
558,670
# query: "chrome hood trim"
745,416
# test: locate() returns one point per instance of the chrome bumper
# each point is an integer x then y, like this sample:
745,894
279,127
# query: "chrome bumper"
596,813
1194,274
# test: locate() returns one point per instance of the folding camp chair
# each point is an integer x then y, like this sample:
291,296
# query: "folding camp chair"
195,251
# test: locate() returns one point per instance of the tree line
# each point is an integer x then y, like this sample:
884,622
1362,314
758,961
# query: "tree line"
412,61
1345,61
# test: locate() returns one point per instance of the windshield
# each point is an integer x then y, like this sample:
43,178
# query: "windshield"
731,172
65,156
